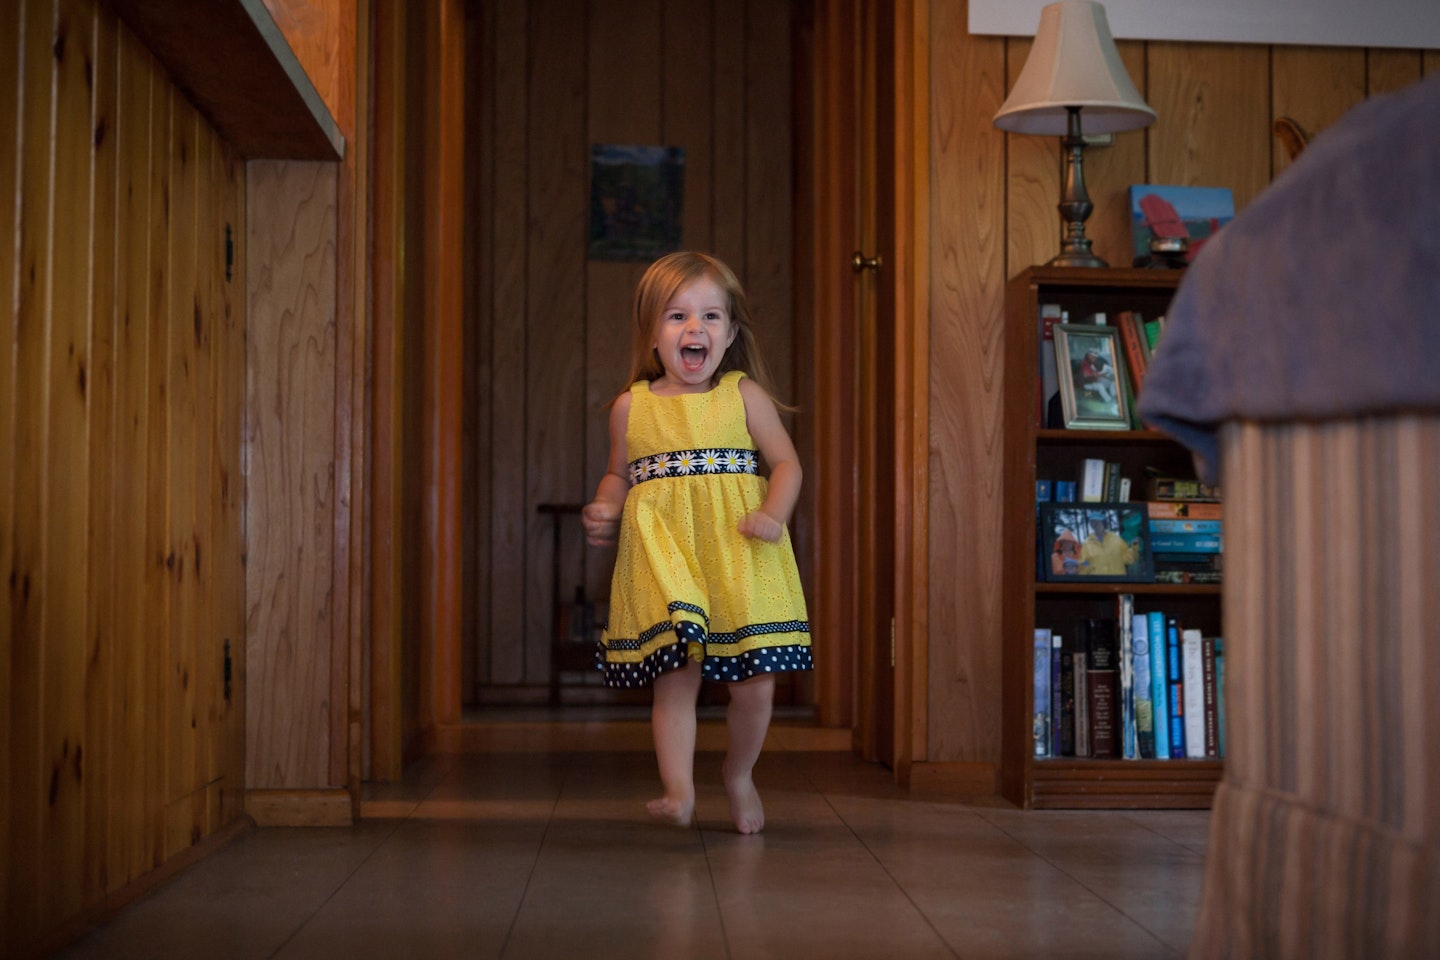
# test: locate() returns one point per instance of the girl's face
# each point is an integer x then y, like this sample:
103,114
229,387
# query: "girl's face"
692,335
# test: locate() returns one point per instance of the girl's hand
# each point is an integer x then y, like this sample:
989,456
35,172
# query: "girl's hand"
761,526
601,520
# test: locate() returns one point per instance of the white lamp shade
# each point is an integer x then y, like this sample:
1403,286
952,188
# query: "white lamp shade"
1073,63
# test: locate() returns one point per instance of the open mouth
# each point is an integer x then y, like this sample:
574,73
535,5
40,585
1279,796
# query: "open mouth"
693,356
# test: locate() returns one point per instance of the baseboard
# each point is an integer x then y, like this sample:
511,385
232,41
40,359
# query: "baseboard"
319,807
954,781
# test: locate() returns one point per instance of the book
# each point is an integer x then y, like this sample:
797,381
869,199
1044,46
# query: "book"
1080,666
1067,697
1175,488
1153,329
1192,658
1175,688
1144,698
1183,525
1159,685
1112,482
1057,741
1100,685
1064,491
1041,725
1185,509
1091,485
1218,643
1186,543
1042,491
1049,380
1124,624
1211,704
1132,336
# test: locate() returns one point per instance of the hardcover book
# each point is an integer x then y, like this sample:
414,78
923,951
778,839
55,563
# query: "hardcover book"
1212,698
1080,669
1067,698
1193,658
1159,684
1058,744
1100,677
1175,684
1041,723
1123,620
1185,509
1144,698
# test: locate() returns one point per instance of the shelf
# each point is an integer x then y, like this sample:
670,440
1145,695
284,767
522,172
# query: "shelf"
1114,589
1054,454
231,60
1123,784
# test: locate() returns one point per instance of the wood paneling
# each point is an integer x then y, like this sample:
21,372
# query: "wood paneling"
119,536
561,75
289,437
967,254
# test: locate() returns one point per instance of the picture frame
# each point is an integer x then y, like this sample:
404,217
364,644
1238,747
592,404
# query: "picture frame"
1094,388
1076,544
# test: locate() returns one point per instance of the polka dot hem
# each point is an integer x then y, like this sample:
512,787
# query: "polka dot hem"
690,644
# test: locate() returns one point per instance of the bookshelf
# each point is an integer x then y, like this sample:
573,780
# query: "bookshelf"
1033,452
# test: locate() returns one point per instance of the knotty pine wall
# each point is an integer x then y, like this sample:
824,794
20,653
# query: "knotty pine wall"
548,331
121,484
992,213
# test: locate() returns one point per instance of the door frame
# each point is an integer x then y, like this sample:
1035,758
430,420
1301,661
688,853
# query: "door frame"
843,587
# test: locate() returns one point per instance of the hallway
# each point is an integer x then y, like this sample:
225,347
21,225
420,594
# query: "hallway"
529,840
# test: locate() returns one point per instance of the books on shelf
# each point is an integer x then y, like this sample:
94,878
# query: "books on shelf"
1136,686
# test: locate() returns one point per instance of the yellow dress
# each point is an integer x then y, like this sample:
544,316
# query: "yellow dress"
687,584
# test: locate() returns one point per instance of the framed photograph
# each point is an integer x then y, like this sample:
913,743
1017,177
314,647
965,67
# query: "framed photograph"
1093,394
1095,543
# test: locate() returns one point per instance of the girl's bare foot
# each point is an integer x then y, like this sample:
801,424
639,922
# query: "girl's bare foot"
745,807
671,811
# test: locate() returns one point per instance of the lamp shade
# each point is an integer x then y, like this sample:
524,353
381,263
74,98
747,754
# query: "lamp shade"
1073,63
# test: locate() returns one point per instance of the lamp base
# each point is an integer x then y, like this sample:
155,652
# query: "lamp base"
1076,260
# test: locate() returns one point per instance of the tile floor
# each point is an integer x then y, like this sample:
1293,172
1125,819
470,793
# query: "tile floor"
530,841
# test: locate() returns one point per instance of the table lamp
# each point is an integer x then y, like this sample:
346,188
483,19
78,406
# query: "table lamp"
1073,67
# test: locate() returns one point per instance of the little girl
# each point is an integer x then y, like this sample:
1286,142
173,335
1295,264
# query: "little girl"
705,585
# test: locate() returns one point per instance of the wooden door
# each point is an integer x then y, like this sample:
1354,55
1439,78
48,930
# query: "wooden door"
869,344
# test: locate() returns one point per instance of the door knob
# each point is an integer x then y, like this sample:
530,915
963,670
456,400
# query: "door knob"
861,262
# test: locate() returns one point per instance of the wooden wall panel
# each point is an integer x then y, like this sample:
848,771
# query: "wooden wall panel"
1388,70
11,37
555,308
290,438
29,598
1313,87
967,252
556,327
626,99
66,497
1214,119
102,771
501,325
110,427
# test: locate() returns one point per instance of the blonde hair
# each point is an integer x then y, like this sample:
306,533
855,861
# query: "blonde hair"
662,280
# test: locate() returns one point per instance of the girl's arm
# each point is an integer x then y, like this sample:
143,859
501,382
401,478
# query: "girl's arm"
601,516
763,422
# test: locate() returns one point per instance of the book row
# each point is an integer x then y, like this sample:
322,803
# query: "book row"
1135,686
1099,480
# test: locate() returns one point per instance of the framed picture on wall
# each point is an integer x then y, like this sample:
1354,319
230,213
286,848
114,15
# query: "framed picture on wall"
1095,543
1093,387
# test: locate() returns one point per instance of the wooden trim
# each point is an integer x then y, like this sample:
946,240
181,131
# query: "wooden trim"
329,807
444,357
832,546
953,781
232,61
385,724
912,382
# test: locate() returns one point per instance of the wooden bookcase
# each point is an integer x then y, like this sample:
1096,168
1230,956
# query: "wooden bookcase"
1031,453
